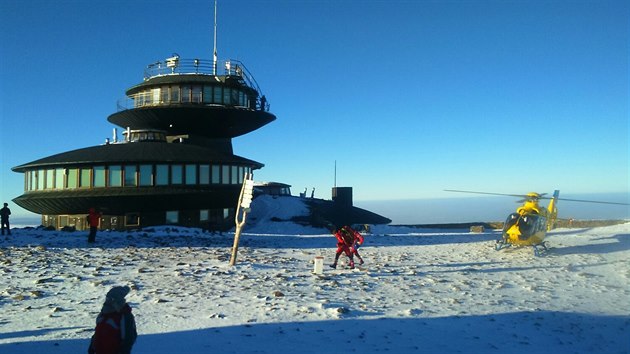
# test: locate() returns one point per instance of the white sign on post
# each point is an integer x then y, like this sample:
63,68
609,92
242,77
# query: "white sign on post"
248,190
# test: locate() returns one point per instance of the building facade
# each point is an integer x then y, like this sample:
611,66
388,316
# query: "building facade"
174,163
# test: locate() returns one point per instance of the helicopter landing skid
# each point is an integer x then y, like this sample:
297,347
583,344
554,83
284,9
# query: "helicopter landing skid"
540,249
501,244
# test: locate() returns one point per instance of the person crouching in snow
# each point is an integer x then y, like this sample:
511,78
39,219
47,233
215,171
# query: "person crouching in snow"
358,242
345,240
115,331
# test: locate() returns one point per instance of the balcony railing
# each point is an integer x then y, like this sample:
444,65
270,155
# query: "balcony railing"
178,66
197,94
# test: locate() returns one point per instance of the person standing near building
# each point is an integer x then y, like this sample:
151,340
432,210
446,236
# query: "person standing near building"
93,219
4,218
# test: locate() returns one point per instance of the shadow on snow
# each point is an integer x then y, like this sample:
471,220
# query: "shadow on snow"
518,332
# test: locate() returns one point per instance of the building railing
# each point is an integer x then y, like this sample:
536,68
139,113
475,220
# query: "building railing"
197,94
178,66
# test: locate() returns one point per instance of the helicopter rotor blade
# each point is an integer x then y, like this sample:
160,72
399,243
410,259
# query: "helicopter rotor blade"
590,201
540,196
487,193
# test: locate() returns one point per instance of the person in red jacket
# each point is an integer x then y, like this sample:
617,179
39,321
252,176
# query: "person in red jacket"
115,331
358,242
345,240
93,219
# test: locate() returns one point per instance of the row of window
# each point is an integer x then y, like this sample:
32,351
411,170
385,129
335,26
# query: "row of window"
207,94
134,176
131,219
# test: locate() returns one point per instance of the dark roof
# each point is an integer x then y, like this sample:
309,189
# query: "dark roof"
271,184
212,121
324,213
138,152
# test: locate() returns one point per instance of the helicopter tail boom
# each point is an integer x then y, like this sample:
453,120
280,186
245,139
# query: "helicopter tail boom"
552,210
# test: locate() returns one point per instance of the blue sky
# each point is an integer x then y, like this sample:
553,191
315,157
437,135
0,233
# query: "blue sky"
408,97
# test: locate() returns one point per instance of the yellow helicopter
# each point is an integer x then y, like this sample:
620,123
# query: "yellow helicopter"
528,226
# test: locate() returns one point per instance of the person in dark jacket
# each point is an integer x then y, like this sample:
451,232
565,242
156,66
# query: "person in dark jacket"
115,331
4,218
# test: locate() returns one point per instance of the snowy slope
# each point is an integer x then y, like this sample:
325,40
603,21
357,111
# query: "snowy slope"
428,291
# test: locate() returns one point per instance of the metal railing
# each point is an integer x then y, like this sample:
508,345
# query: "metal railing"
178,66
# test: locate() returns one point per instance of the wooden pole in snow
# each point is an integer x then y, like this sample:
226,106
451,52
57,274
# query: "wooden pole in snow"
244,202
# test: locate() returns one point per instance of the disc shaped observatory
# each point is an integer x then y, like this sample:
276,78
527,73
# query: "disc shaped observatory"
174,163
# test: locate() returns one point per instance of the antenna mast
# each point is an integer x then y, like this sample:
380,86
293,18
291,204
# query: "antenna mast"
335,173
214,59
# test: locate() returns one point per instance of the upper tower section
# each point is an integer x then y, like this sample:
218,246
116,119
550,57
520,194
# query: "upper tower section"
195,97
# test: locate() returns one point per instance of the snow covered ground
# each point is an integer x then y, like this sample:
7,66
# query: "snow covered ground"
428,291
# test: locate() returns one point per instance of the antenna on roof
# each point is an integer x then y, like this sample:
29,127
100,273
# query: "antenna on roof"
335,174
214,59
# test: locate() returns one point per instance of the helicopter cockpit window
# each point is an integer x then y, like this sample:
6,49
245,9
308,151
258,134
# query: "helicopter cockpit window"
510,221
526,225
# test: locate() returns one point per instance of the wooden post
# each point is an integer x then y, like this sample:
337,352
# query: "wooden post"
244,201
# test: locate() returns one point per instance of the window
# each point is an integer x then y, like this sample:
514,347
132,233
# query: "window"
31,180
161,175
164,94
191,174
241,98
218,94
186,93
207,94
176,174
234,179
196,94
49,179
226,95
146,175
72,177
204,174
155,93
130,176
132,219
99,176
41,176
175,94
225,174
204,215
234,98
59,176
240,174
115,176
216,174
172,217
84,178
